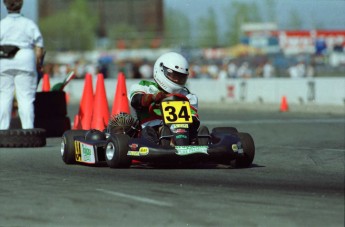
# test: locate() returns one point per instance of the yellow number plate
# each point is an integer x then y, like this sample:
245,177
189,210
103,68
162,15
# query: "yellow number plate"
176,112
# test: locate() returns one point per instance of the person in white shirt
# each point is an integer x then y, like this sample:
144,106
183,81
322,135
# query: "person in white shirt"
232,70
19,71
268,70
145,70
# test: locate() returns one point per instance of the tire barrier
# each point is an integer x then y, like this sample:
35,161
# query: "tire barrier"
23,137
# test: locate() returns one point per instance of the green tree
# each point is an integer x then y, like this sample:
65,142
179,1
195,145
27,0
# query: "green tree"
315,22
295,21
177,29
238,14
124,32
208,30
270,10
72,29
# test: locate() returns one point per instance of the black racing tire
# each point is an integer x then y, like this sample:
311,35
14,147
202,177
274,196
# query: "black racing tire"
67,145
116,151
230,130
35,137
202,132
245,160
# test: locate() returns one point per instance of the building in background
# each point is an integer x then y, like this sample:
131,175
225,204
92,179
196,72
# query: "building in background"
143,15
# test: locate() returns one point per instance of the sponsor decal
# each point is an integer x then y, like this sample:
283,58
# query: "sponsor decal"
133,153
134,146
181,137
187,150
239,148
179,130
141,152
87,153
77,151
179,126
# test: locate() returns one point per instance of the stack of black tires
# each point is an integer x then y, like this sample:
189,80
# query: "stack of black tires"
50,121
51,113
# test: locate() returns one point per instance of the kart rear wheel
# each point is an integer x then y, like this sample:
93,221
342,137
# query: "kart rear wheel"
245,160
116,151
230,130
203,135
67,145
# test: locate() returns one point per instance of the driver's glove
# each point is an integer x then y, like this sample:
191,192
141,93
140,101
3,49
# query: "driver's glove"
147,99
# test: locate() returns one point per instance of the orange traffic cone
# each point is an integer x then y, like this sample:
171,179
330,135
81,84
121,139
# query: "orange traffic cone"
120,104
86,104
67,97
46,83
100,117
284,107
76,123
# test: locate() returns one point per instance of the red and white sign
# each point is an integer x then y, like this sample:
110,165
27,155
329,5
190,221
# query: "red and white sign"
293,42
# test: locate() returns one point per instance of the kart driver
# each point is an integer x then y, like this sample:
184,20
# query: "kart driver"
170,73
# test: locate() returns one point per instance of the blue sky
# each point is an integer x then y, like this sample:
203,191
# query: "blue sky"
330,13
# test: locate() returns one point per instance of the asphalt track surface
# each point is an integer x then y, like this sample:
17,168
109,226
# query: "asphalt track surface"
297,179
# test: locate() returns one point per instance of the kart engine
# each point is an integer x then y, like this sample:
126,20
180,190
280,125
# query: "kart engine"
123,123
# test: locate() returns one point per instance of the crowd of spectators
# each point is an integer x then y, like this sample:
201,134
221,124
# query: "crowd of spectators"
253,67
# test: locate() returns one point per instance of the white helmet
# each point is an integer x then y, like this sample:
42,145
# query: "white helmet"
171,72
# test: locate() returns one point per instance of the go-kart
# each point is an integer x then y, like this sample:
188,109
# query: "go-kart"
123,141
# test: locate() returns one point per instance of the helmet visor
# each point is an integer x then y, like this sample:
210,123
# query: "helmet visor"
176,77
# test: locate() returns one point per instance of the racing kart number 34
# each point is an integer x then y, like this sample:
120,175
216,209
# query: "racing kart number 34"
122,141
176,112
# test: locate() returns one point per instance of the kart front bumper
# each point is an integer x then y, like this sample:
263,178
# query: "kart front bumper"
227,149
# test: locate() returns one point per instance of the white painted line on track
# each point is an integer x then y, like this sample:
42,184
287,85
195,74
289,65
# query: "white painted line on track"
275,121
136,198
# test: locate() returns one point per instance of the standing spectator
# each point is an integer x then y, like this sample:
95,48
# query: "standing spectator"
91,68
301,69
293,71
19,71
145,70
213,70
268,70
310,71
232,69
223,73
244,71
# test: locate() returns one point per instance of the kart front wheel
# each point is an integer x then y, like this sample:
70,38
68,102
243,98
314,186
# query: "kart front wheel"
116,151
245,159
67,145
